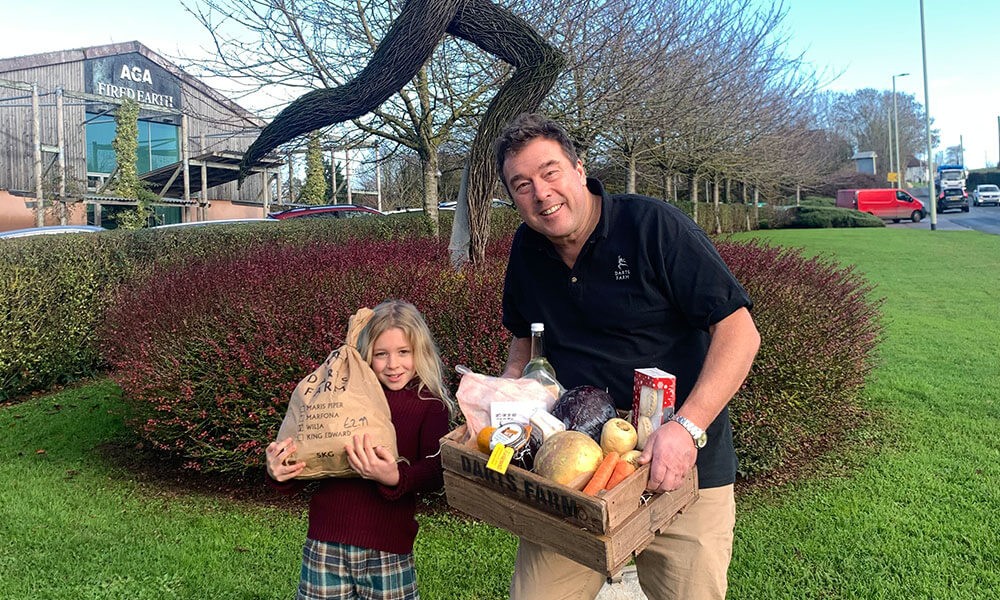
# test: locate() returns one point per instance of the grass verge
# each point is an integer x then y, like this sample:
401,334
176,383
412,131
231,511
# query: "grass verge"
909,509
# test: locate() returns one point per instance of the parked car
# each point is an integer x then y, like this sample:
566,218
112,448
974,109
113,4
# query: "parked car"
328,211
986,193
208,223
884,203
452,205
951,198
50,230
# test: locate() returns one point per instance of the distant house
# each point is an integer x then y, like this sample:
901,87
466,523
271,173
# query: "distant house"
864,162
916,170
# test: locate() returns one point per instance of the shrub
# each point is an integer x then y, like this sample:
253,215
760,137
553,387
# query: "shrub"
816,217
732,217
819,330
53,289
819,201
208,353
57,288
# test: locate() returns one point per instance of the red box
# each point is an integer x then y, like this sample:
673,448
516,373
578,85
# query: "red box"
654,392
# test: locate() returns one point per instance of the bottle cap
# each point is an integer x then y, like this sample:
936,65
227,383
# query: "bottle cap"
535,327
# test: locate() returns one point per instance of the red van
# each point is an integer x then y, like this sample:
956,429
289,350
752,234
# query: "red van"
883,203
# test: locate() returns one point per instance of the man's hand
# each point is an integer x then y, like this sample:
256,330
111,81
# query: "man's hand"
670,453
276,453
372,462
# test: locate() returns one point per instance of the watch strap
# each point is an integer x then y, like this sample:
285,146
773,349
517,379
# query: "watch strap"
698,434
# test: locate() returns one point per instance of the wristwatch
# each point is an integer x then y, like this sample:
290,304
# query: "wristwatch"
697,433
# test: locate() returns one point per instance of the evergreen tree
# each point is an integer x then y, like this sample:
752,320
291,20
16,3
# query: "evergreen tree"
126,146
314,189
127,183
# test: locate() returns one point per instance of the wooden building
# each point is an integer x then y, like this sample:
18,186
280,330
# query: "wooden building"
57,123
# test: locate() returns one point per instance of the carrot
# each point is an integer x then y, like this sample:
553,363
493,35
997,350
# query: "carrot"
622,470
602,474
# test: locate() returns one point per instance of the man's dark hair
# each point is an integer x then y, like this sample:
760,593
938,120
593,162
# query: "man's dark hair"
526,127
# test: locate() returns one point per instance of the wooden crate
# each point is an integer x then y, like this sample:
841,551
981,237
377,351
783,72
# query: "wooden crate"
602,532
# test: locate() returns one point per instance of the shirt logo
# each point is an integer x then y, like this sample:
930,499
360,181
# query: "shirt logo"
622,272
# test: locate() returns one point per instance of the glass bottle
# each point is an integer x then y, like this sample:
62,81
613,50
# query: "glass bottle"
538,366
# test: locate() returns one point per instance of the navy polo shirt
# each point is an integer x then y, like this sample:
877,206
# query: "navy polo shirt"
645,288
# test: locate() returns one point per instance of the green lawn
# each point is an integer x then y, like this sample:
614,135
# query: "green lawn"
918,513
910,510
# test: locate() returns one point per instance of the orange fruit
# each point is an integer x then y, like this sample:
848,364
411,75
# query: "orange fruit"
483,439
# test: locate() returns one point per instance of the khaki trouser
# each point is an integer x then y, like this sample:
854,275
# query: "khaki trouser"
688,561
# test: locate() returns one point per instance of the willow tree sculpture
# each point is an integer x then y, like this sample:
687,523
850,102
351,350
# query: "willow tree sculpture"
404,50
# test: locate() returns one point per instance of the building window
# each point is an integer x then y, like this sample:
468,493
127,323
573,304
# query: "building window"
164,144
100,134
159,145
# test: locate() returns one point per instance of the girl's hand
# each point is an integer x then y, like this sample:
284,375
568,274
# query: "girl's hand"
370,462
276,453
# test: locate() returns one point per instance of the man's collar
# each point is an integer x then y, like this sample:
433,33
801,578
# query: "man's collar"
603,227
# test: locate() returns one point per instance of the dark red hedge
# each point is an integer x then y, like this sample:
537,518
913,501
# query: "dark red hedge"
208,353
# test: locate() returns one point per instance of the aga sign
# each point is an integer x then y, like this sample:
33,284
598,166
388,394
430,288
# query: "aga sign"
132,76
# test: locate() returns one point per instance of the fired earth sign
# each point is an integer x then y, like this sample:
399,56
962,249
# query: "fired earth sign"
132,76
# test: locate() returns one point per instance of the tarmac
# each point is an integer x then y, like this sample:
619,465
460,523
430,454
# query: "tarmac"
624,588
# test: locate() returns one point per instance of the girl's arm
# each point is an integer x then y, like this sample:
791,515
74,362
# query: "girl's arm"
424,474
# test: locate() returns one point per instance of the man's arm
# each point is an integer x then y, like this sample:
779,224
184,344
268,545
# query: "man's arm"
517,357
670,449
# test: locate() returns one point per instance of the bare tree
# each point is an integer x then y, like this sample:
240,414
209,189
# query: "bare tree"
287,47
666,90
659,88
726,105
864,117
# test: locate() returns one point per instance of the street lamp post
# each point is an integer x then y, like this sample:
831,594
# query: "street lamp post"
892,163
927,123
895,117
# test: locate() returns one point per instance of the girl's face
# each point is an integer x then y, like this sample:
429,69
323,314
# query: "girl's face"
392,359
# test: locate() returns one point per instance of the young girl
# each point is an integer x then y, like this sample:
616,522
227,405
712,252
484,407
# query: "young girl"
361,530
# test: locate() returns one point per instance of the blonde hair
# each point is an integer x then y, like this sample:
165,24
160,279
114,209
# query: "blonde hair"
426,358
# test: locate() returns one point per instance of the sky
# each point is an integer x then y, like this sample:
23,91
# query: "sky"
853,44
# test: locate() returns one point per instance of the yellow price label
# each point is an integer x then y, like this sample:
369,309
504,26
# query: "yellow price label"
500,458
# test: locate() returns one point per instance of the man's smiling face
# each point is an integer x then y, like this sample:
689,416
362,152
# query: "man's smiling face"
551,192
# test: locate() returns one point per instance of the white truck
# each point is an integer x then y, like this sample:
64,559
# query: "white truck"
950,177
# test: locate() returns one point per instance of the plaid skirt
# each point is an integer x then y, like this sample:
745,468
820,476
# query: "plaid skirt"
331,570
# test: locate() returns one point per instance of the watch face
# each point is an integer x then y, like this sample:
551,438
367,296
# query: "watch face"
699,437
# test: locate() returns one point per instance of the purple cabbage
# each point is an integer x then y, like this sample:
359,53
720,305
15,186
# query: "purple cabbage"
585,409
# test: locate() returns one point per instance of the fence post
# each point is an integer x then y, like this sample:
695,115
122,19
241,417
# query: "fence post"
36,140
61,145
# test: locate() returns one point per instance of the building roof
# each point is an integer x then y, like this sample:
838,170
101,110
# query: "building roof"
45,59
220,167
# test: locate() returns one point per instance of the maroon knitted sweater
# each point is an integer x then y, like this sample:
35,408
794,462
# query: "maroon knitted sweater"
361,512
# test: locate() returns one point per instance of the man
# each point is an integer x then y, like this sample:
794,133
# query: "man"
624,282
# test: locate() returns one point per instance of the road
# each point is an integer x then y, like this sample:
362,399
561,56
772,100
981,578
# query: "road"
979,218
